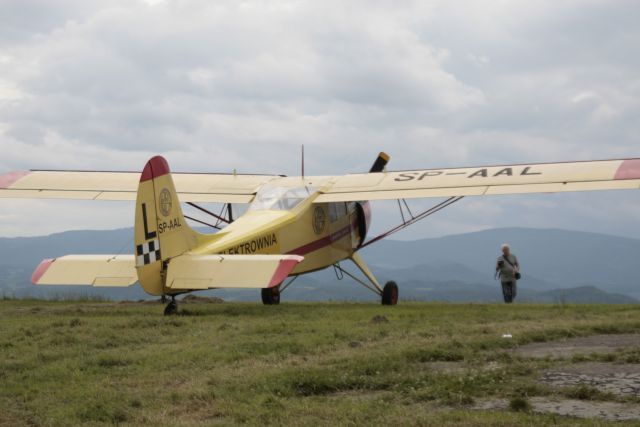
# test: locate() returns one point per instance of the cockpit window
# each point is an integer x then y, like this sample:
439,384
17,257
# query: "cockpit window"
279,198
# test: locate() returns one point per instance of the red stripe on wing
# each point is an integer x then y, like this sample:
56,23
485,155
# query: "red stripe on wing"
7,179
629,169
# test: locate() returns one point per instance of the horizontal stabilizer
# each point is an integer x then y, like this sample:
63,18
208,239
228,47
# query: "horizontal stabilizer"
94,270
229,271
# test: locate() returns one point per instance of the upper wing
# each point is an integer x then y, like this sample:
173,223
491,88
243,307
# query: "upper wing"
191,187
482,181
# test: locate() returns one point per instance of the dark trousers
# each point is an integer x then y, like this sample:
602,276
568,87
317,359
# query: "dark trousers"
509,291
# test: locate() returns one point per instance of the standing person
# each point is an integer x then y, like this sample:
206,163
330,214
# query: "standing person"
508,268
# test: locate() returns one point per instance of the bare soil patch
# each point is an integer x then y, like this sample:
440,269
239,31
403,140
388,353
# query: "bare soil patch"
610,411
377,319
195,299
446,367
581,345
622,380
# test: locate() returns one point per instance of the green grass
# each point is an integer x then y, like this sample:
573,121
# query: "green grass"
66,363
520,404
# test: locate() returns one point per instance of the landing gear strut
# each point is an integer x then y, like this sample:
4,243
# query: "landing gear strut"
172,307
271,296
388,294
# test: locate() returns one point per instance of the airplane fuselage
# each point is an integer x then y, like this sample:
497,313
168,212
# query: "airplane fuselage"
323,234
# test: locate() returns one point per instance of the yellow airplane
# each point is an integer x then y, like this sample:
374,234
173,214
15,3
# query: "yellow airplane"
293,225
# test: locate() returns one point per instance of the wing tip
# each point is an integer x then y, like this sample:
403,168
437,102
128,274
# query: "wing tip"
285,267
8,179
40,270
629,169
156,167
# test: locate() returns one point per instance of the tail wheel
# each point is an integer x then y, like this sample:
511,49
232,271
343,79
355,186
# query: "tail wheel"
271,296
171,308
390,294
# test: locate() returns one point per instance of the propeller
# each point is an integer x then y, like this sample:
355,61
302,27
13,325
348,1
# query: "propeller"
380,163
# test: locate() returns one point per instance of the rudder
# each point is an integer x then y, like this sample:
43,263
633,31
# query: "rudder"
161,231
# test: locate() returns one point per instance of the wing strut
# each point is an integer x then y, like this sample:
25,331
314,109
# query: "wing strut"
220,218
225,216
202,222
413,218
286,285
339,268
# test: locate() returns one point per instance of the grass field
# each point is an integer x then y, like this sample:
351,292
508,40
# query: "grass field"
67,363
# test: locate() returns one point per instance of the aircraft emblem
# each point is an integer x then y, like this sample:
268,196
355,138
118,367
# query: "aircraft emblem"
165,202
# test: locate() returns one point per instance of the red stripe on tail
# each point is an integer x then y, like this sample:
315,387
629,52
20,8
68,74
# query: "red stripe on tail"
156,167
284,268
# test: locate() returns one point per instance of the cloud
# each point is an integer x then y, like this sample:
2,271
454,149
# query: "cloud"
217,86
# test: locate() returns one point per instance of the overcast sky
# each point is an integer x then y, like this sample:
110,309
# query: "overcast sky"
217,86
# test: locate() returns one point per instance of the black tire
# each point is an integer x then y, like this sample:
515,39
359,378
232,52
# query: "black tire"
390,294
171,308
271,296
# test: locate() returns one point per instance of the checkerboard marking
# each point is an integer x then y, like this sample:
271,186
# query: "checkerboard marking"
148,252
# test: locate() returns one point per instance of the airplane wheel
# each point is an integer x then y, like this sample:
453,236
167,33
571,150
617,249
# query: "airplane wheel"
171,308
271,296
390,294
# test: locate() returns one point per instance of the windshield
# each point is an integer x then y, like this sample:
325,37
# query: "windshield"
279,198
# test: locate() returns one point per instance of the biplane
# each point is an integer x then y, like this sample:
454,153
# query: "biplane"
292,226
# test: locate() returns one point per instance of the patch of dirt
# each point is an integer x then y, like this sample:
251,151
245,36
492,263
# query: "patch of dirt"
359,395
141,301
582,345
622,380
446,367
194,299
188,299
610,411
379,319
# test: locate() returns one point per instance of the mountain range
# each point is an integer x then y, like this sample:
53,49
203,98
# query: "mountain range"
557,265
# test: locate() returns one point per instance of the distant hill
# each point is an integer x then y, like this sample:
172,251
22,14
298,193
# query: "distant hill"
550,258
309,289
558,265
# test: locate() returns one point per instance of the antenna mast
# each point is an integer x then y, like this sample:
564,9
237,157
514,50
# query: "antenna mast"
302,161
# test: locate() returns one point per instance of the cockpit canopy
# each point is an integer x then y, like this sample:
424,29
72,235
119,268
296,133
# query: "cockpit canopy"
279,198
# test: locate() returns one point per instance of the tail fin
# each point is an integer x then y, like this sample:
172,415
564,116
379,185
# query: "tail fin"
161,231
